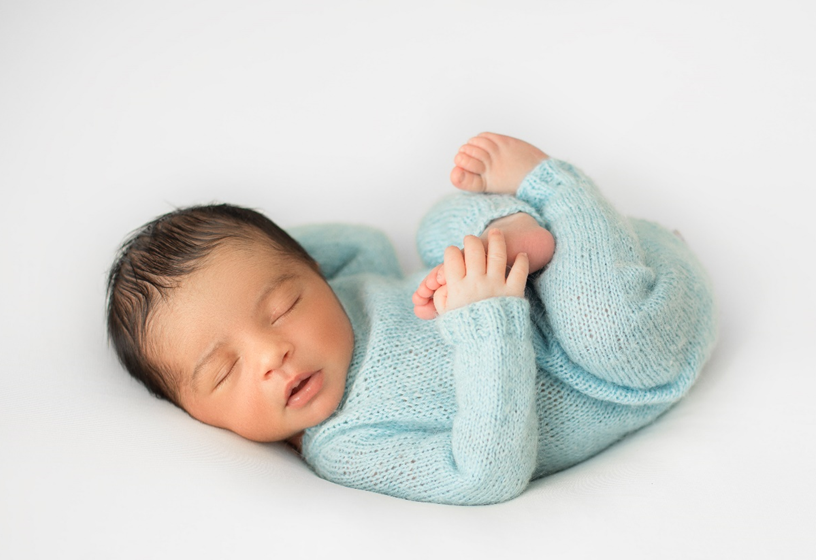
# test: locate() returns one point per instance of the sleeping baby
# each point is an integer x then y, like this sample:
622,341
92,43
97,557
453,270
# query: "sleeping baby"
545,328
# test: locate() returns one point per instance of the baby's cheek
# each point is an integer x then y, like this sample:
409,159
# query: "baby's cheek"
242,419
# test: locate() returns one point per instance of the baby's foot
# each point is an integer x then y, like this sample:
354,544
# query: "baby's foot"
522,234
494,163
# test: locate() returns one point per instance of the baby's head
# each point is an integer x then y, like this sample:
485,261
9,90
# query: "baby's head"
221,312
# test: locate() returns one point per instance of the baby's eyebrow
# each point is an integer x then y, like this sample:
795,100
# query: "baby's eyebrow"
203,362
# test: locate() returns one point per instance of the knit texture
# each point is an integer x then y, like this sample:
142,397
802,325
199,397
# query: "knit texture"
469,407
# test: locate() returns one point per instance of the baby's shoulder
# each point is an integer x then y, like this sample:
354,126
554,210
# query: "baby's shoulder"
344,249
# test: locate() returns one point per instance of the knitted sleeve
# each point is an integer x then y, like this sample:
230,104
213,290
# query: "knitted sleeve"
342,249
626,301
488,455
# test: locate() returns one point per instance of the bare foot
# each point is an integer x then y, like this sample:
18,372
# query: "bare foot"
494,163
522,234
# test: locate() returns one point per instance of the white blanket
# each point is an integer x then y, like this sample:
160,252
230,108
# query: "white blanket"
696,115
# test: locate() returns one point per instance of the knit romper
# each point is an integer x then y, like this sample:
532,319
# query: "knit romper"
471,406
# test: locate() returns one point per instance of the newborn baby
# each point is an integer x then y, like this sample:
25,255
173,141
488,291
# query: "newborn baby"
548,327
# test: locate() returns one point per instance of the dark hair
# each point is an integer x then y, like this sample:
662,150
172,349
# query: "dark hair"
153,260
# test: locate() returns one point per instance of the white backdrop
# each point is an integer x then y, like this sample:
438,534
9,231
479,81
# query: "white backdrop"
697,114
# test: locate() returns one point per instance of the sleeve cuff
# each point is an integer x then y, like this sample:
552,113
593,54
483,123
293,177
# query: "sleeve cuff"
503,317
544,179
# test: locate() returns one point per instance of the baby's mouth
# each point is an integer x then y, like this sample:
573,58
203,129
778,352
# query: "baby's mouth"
299,386
303,388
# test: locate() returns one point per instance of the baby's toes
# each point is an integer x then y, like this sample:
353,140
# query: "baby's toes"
467,181
475,151
470,163
486,141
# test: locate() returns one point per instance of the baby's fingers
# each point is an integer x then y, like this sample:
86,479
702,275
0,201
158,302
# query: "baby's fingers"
426,312
423,296
517,278
496,255
474,255
428,286
454,264
440,300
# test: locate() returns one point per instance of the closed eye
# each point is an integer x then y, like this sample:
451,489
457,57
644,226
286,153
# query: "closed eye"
288,311
226,375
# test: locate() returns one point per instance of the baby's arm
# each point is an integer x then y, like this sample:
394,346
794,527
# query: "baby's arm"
342,249
488,455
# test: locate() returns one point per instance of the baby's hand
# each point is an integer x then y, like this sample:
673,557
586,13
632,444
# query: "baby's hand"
470,277
475,276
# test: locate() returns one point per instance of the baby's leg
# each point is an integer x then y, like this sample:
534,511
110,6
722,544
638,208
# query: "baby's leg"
627,311
493,163
626,303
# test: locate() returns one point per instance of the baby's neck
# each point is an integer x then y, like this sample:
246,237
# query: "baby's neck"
295,441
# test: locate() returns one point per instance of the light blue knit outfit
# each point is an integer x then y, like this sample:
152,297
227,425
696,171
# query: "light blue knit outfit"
469,407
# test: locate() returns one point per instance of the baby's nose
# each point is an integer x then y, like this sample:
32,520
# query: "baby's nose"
274,357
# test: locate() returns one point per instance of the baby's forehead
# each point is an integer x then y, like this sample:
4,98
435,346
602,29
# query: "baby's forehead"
252,247
251,240
236,270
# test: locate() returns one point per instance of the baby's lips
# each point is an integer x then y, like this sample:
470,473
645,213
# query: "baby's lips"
290,386
312,385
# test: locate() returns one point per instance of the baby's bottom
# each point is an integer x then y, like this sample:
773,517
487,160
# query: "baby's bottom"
522,234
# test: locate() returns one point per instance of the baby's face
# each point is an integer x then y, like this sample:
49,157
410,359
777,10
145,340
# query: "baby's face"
259,344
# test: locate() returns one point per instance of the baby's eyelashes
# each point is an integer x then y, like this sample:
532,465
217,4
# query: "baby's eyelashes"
226,375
